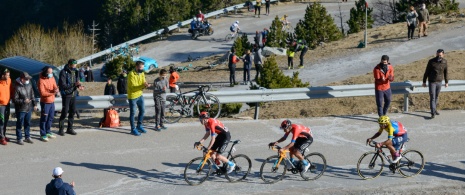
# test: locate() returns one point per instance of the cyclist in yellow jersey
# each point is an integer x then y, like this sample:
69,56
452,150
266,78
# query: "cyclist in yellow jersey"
397,135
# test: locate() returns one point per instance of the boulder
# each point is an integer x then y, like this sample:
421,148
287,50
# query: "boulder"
268,51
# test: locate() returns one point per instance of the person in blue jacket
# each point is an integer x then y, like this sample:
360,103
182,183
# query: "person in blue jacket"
57,186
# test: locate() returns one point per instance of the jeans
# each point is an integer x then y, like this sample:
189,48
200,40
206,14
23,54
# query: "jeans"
68,107
380,96
46,117
23,118
411,30
139,102
434,89
159,111
246,74
232,74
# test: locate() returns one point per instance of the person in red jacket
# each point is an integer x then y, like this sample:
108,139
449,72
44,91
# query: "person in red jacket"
384,75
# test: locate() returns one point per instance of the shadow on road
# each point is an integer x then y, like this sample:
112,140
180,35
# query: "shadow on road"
358,117
444,171
419,115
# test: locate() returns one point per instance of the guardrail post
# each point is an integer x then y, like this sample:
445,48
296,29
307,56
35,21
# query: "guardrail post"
257,109
179,26
235,10
405,102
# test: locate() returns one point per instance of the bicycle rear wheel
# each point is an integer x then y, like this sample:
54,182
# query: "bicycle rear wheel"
370,165
211,104
195,173
242,169
228,37
173,110
317,166
411,163
271,171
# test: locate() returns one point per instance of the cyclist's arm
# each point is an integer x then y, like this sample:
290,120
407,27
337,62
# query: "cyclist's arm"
376,135
212,141
207,133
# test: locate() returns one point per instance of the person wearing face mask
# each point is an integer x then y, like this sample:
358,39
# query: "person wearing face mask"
48,89
136,84
69,85
24,103
384,75
159,97
122,84
435,72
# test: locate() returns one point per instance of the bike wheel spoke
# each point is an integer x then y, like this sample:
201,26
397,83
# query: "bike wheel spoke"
370,165
271,171
242,169
173,111
196,172
317,166
411,164
211,104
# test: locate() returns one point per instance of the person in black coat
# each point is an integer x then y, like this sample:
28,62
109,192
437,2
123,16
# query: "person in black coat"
110,89
122,84
88,74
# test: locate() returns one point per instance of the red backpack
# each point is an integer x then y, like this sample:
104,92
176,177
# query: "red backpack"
111,119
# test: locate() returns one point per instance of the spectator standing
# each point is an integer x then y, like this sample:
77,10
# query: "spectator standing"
57,186
159,97
24,104
110,88
290,58
264,36
257,39
174,77
267,7
69,84
436,71
423,20
122,84
232,60
301,45
136,84
384,75
82,77
88,74
6,92
258,5
247,59
258,61
47,89
411,22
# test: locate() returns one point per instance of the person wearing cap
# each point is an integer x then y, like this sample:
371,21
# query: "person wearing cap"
24,103
48,89
174,77
384,75
6,92
68,83
57,186
436,71
122,84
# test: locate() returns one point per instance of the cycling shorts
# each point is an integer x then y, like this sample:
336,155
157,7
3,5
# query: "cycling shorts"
232,29
398,141
302,143
221,142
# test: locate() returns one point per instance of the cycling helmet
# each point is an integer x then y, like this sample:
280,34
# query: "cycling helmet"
237,22
286,124
203,115
384,120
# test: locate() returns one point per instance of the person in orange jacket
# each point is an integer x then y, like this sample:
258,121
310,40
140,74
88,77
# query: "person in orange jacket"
6,90
174,77
48,89
384,75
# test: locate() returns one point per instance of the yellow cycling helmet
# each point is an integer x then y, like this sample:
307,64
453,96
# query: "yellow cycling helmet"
384,120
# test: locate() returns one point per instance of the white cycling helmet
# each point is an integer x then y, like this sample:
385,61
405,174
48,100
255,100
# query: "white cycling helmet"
237,22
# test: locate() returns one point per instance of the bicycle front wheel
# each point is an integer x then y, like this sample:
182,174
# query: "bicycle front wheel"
210,104
370,165
271,171
242,169
173,111
317,166
196,171
228,37
411,163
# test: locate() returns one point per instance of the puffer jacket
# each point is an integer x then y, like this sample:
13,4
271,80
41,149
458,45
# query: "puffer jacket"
58,187
67,82
23,92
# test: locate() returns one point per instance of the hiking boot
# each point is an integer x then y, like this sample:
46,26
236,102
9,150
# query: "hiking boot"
231,168
135,132
49,135
3,142
141,129
432,115
61,128
436,112
44,138
28,140
20,142
71,131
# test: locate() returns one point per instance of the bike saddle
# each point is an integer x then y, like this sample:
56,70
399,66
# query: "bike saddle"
235,141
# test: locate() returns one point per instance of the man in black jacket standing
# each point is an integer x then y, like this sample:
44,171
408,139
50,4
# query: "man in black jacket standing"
122,84
69,84
436,68
24,103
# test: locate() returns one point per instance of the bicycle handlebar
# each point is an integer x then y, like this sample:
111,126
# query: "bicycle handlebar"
373,144
276,148
203,87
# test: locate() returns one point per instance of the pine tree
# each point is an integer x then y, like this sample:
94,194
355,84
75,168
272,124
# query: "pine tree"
276,36
356,21
114,67
273,78
317,26
238,46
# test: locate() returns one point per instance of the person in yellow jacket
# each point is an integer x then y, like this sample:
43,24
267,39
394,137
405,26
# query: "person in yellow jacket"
258,5
136,84
290,58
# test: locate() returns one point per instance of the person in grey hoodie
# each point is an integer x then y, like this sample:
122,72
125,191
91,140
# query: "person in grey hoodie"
24,103
258,61
411,22
160,85
57,186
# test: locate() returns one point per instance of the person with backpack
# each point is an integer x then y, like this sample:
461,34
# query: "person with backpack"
160,85
232,60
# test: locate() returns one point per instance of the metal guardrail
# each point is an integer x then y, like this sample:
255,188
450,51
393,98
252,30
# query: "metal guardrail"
269,95
160,31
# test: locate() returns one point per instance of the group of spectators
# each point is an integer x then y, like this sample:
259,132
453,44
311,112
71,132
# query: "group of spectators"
250,57
420,19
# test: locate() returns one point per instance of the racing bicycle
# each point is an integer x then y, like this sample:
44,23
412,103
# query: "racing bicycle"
181,105
233,37
198,169
274,167
370,165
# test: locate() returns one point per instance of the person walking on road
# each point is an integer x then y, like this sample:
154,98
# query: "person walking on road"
6,91
384,75
160,85
232,60
267,7
136,84
436,71
258,61
69,85
57,186
423,20
24,104
411,22
122,84
48,89
174,77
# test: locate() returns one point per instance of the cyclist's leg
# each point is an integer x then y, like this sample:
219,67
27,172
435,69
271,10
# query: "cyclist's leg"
220,145
390,145
300,145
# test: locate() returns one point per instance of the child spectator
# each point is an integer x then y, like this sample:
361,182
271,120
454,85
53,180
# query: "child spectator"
290,58
160,85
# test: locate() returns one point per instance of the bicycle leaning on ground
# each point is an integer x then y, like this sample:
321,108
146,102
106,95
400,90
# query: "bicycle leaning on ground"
370,165
274,167
198,169
180,106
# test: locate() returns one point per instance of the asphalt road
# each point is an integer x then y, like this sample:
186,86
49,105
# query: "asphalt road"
110,161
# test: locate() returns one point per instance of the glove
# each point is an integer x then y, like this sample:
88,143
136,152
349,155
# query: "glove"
272,144
196,144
